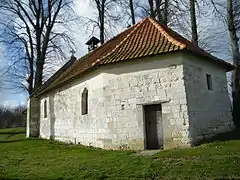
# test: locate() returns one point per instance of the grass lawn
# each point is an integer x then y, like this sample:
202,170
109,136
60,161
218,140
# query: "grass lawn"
22,158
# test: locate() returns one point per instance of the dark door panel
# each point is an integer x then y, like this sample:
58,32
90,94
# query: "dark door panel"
153,126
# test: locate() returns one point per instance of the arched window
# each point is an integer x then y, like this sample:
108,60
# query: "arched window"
85,101
45,109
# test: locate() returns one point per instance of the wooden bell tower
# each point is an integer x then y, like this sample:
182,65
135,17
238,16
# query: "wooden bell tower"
92,43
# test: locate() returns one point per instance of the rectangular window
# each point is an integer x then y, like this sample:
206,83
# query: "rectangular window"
45,109
209,82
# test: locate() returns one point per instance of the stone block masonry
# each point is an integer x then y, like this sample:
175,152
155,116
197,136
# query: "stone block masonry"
209,110
117,94
33,117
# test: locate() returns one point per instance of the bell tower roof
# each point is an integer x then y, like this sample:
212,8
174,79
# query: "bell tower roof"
93,40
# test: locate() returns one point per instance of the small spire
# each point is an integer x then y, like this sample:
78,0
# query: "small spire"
73,58
72,52
92,43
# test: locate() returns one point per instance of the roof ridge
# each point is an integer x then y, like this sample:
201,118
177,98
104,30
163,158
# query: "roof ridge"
145,38
110,40
67,65
120,43
167,34
106,42
182,40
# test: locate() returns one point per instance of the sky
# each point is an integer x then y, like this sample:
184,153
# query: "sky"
84,8
9,97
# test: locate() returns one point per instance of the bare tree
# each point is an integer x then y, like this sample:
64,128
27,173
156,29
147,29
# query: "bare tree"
11,117
34,31
233,26
132,12
128,8
101,5
158,10
193,21
164,11
151,8
106,16
184,20
175,14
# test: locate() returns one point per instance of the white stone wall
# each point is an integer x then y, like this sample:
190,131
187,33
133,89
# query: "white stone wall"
28,119
33,118
45,123
117,93
65,121
129,86
209,110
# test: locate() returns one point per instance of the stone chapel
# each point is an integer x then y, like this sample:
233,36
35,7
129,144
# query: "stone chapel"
146,88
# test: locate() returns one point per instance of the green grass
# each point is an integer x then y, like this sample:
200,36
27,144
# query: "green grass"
22,158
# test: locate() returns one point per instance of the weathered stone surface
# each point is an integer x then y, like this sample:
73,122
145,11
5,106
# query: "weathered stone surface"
209,111
33,118
117,94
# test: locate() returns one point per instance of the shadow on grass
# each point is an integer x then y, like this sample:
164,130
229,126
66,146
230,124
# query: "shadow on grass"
11,141
21,178
12,135
228,136
18,179
13,132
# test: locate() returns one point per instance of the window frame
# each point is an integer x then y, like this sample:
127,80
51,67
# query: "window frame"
209,81
84,102
45,112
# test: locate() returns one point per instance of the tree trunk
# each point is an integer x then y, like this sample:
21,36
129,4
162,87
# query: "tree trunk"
151,6
193,22
31,77
158,11
39,64
39,74
132,12
102,15
236,61
165,18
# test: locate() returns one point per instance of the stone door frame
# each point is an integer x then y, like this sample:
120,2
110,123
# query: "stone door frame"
141,118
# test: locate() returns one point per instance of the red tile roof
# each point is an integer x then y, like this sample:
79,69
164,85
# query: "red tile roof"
145,38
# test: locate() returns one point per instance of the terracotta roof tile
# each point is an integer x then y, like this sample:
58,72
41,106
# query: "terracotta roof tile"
145,38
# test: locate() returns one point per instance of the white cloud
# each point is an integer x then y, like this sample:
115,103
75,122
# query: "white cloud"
84,8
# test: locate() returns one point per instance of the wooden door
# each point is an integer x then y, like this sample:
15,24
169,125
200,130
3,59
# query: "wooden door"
153,127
